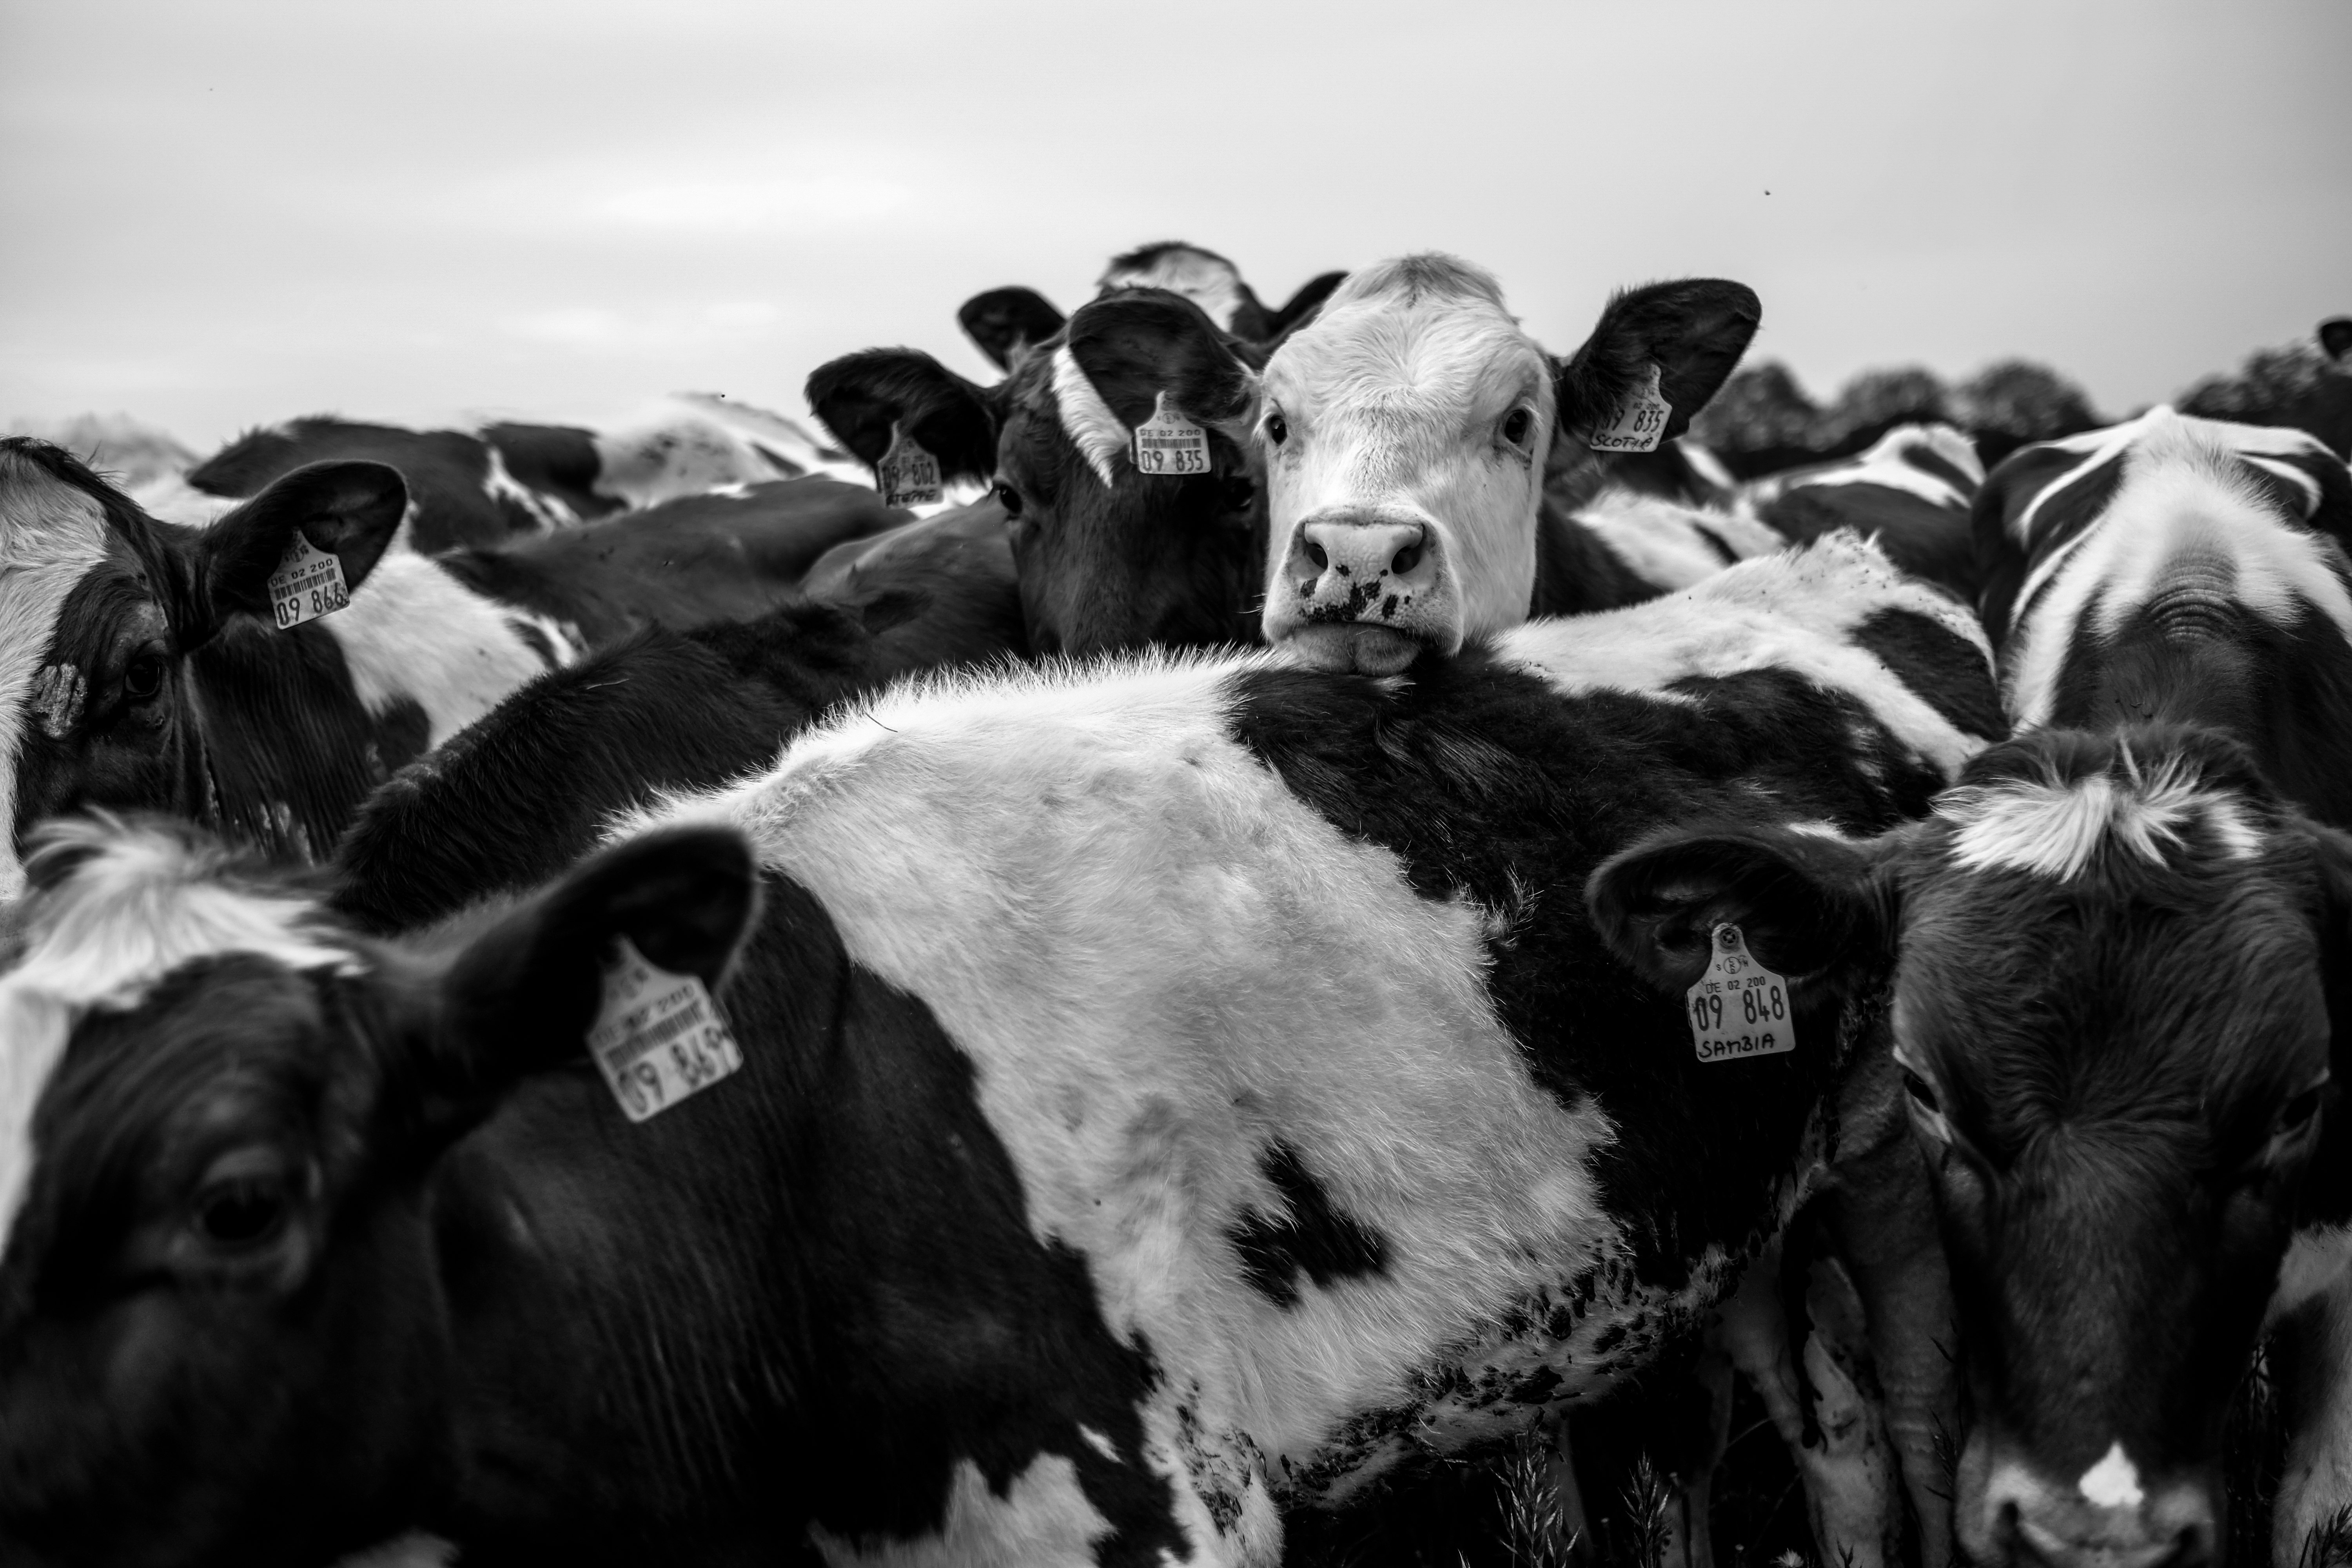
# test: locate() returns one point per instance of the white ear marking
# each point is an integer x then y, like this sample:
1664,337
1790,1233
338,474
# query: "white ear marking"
1087,419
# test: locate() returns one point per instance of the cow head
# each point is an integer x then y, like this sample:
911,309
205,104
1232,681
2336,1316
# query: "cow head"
102,610
220,1338
1406,430
2114,963
1110,557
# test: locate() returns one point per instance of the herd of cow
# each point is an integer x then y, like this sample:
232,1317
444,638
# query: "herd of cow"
572,994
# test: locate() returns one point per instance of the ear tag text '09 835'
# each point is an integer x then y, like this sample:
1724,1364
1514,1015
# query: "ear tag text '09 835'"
1169,444
1638,423
658,1037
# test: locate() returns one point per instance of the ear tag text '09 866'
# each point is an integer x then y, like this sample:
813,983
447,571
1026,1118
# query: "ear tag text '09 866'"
308,583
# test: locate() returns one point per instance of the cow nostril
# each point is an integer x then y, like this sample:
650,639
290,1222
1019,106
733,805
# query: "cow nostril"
1315,553
1406,560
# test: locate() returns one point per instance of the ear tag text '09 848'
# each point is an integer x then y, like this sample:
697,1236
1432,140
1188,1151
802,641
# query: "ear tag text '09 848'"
1738,1008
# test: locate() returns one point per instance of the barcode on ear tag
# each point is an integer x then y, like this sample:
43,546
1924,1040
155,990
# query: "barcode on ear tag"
1170,444
1638,423
1738,1008
658,1038
308,583
909,475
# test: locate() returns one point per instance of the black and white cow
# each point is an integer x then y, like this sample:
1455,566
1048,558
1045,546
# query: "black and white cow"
2120,989
483,486
1174,1092
1007,324
1914,492
140,666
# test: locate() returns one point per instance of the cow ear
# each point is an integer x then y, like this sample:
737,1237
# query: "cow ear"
1138,344
1694,330
2335,338
1301,307
1817,907
861,397
522,996
1009,324
350,510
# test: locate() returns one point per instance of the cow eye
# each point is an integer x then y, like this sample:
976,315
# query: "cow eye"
2300,1111
1008,498
1516,424
143,677
1920,1089
1278,428
242,1211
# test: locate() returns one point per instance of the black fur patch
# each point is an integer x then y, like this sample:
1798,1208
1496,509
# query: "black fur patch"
1314,1238
1944,667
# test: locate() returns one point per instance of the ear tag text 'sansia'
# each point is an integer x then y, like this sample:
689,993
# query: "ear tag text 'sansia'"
1738,1008
308,583
658,1038
1638,423
909,475
1170,444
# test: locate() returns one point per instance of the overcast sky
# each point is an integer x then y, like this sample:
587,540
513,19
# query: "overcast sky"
224,213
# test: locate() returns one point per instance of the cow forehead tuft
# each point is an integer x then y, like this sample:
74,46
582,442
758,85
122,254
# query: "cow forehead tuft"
2055,819
1392,342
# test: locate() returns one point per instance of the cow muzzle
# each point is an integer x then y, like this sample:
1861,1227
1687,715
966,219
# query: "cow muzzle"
2010,1513
1364,592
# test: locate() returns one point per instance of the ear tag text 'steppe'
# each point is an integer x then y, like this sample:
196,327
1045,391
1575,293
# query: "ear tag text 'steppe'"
1638,423
308,583
909,475
1170,444
658,1038
1738,1008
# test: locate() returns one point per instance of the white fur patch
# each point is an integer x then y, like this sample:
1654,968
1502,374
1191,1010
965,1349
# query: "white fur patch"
1665,542
142,904
1159,960
411,631
1043,1518
2180,519
1209,281
2052,827
1086,419
1887,464
547,511
1796,609
694,442
51,535
2114,1481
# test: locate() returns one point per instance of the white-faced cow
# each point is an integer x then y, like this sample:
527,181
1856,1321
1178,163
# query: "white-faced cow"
482,486
2121,987
140,666
1173,1093
1007,324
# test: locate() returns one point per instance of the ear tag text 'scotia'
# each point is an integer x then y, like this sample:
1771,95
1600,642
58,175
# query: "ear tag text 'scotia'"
308,583
1638,423
1170,444
1738,1008
909,475
658,1038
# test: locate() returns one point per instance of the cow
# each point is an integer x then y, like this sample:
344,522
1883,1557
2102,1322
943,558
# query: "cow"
2304,386
2118,988
1914,492
480,488
1175,1092
1007,324
140,666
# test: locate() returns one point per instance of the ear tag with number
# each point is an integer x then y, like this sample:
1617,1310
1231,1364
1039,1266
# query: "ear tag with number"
308,583
909,475
658,1038
1170,444
1638,423
1738,1008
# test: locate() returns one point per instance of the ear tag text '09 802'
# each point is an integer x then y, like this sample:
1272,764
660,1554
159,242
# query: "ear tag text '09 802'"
1738,1008
1638,423
308,583
1170,444
909,475
658,1037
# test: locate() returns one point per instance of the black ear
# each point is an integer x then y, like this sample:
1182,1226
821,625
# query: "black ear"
859,396
1693,331
1303,304
1136,344
1009,324
522,995
2335,337
350,509
1813,907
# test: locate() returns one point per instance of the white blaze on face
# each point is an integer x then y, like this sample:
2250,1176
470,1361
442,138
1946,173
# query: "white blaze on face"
51,535
2114,1481
1391,402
